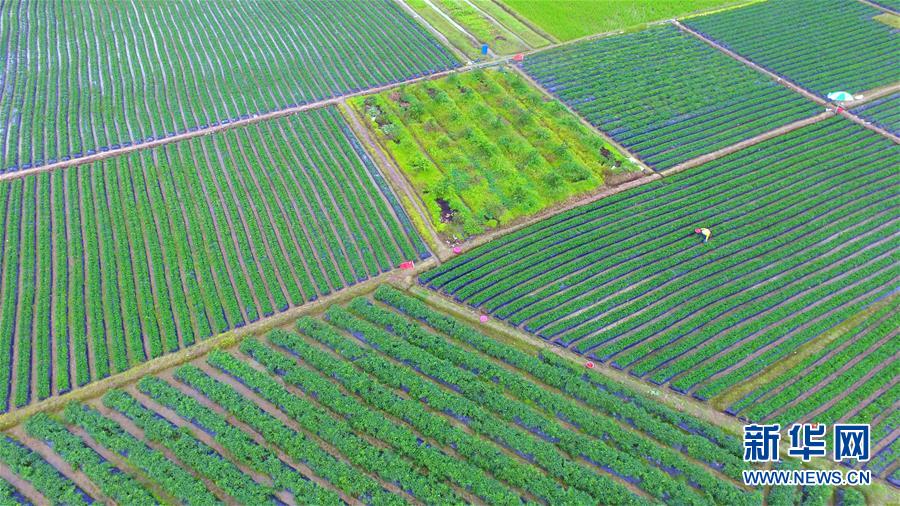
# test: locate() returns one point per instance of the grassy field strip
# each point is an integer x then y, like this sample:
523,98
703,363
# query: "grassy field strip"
534,36
493,20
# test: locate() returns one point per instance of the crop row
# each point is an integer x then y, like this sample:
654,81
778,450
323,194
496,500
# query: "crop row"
110,480
83,79
847,49
695,100
626,456
45,478
108,265
800,238
237,442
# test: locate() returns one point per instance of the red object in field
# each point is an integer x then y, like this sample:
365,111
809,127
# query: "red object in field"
457,250
483,318
840,110
518,57
407,265
589,365
696,230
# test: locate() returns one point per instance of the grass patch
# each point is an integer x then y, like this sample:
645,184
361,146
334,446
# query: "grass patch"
483,148
891,20
512,23
571,19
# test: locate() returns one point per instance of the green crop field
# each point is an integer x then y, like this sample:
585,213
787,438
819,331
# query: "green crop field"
571,19
665,95
108,265
845,49
384,400
483,148
130,72
799,243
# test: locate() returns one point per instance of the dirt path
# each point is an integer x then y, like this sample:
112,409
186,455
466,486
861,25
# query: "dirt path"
253,118
879,7
790,127
679,402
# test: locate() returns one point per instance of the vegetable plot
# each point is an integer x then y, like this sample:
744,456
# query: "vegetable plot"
86,77
108,265
484,147
802,238
665,95
845,49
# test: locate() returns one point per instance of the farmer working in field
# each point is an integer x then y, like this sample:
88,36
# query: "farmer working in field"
704,232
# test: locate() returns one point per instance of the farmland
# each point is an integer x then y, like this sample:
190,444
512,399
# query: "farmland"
571,19
801,241
127,75
468,24
341,253
483,148
111,264
851,378
846,49
683,98
884,112
382,400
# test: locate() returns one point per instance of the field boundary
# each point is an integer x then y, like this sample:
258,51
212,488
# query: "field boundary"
882,8
715,155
